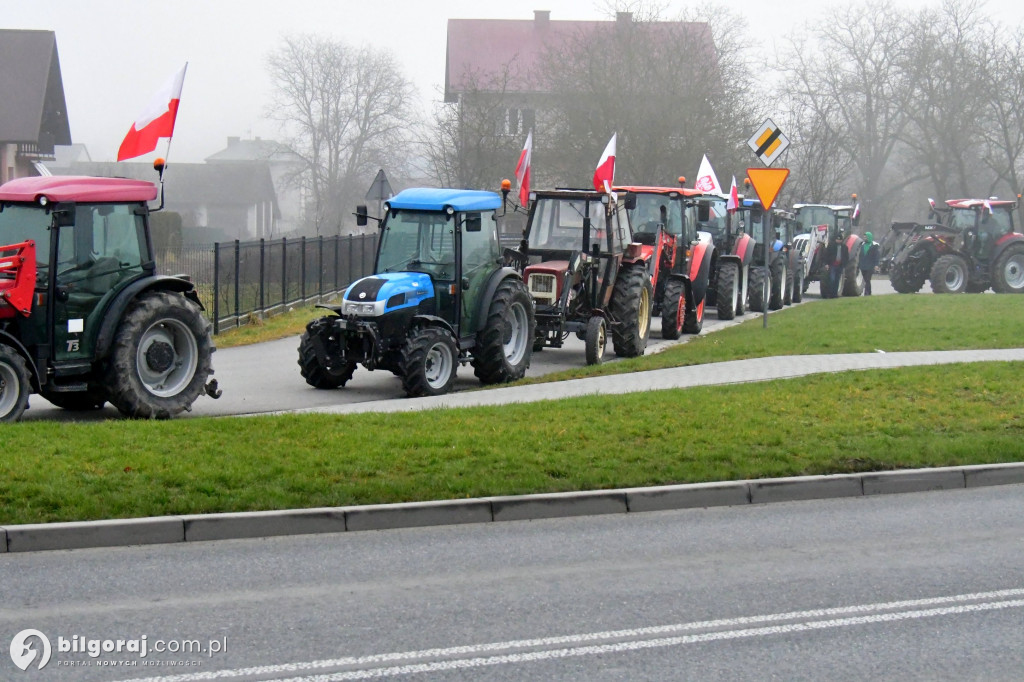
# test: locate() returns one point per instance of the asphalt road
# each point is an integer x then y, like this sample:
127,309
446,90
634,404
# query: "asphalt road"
923,586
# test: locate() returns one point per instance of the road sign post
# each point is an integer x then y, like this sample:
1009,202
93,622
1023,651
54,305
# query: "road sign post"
767,183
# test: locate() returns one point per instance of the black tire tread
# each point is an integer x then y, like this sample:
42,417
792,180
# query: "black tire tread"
489,362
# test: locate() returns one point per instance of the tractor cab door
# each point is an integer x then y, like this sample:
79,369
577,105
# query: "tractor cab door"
991,226
480,258
96,256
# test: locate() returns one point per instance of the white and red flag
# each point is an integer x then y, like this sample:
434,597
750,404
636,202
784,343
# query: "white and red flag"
156,121
604,176
707,181
734,197
523,170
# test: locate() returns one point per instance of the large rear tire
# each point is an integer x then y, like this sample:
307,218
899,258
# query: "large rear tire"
853,278
429,361
505,345
1008,273
728,290
631,309
315,373
949,274
799,286
755,297
15,385
160,358
673,310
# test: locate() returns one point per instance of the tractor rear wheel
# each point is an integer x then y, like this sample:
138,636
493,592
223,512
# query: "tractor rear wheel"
505,345
755,297
631,309
694,322
429,361
728,290
160,358
742,282
596,338
853,278
315,373
787,287
779,273
1008,274
799,286
14,384
673,310
949,274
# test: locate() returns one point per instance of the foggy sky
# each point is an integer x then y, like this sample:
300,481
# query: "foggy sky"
115,54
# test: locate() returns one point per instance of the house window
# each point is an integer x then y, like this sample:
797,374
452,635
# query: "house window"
513,121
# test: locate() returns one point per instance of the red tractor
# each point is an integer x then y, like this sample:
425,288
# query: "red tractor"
820,225
734,253
84,318
678,257
584,273
985,251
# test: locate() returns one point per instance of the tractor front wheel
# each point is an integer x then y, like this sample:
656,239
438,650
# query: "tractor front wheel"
673,310
728,290
779,273
160,358
505,345
949,274
14,384
596,339
1008,275
316,373
631,308
755,296
429,361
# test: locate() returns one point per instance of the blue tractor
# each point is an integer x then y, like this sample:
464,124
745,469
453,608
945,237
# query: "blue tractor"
440,297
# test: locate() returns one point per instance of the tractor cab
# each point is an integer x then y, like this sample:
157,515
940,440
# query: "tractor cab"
982,223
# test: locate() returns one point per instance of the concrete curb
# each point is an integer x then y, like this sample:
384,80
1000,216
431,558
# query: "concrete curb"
202,527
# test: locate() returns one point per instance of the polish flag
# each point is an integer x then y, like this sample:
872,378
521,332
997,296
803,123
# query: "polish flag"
734,197
604,176
156,121
523,170
707,181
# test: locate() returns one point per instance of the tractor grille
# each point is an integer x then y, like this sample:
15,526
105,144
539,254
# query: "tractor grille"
542,287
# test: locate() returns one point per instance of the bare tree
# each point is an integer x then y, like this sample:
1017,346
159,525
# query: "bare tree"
852,74
1003,131
345,111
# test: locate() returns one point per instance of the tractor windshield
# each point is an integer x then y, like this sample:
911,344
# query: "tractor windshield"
751,221
418,241
557,224
962,218
717,216
652,209
21,223
810,217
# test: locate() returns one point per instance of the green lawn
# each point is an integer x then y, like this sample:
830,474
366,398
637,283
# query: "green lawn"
857,421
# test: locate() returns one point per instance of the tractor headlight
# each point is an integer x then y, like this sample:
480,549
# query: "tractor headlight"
356,308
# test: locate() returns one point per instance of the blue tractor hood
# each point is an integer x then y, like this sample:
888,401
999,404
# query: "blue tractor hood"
396,289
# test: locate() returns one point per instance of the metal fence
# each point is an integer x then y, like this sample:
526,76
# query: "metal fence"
237,280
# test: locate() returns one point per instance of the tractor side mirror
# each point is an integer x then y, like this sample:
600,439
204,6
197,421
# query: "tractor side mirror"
473,222
630,201
361,215
703,213
64,215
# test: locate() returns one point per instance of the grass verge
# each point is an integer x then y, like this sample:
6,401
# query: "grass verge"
859,421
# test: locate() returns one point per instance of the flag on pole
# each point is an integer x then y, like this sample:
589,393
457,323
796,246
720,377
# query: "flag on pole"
604,175
523,170
988,205
734,197
856,211
156,121
707,181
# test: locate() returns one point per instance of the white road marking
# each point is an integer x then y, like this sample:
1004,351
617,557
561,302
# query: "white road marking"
636,636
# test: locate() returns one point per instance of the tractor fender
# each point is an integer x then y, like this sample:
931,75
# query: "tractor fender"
112,315
744,249
432,321
700,266
1005,242
484,304
29,360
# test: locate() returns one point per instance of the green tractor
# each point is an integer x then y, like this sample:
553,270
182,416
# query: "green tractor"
439,297
84,318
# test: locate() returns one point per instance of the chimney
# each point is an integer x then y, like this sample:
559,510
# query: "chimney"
541,17
624,17
232,141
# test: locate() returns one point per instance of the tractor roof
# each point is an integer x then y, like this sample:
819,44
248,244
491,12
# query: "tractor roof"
833,207
432,199
77,188
980,203
644,189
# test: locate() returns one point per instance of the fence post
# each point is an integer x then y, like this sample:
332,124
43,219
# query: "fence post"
238,279
320,267
263,275
337,262
302,272
216,288
351,259
284,272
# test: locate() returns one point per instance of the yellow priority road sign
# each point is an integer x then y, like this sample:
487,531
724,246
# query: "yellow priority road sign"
768,142
767,182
